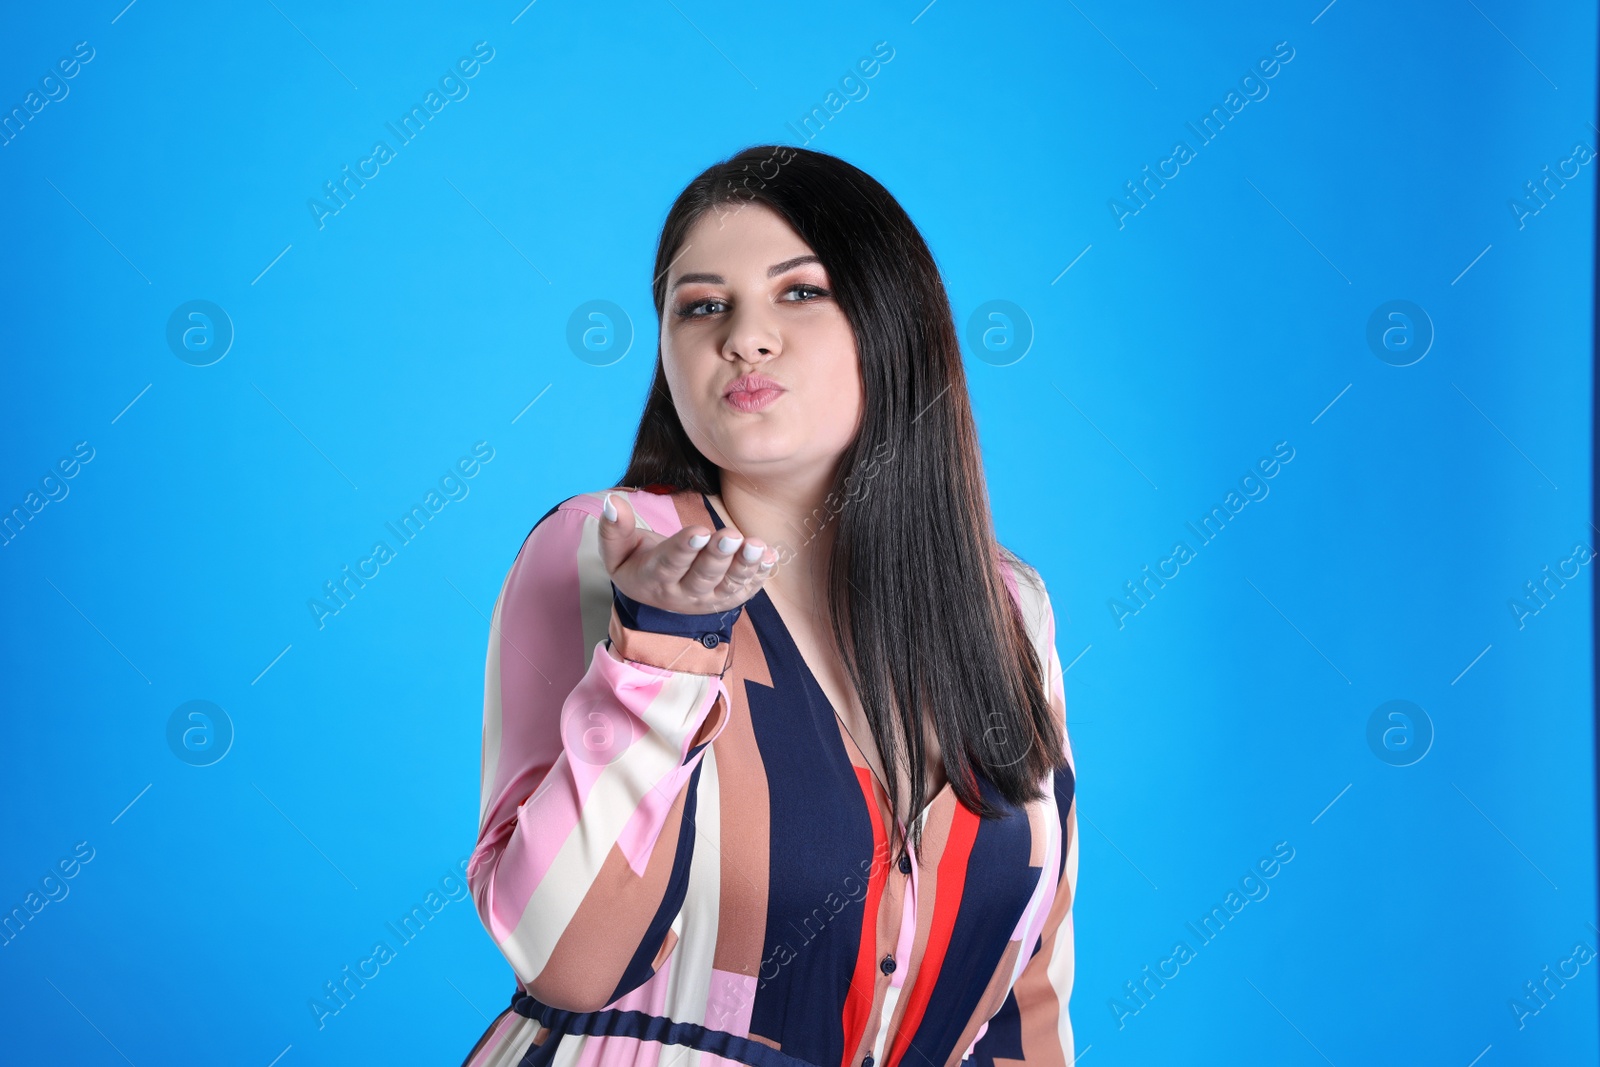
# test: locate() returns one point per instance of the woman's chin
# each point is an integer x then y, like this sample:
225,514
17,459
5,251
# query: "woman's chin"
750,447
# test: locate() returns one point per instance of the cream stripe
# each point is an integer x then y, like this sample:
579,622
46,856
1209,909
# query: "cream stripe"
491,718
594,581
1039,901
594,589
570,1050
612,802
1033,598
1061,968
689,984
890,999
1052,667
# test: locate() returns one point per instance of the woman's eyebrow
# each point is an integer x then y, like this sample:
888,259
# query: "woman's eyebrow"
789,264
772,271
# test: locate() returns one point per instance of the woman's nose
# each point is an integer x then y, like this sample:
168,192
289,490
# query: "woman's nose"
750,337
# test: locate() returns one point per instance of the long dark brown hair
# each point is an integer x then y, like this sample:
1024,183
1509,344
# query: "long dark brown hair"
920,612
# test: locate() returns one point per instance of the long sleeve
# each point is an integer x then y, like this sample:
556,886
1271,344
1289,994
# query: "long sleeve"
1033,1025
596,715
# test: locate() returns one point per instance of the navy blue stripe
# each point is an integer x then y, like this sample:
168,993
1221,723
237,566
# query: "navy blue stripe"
1065,785
636,1024
636,615
820,853
993,898
716,520
639,970
540,1055
1003,1039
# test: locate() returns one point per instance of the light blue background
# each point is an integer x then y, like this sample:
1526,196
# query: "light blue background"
1224,317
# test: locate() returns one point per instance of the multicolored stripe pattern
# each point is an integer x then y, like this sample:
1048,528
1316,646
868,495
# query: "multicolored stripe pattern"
683,855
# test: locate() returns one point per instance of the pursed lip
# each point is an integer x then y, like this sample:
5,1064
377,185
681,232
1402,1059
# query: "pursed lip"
751,383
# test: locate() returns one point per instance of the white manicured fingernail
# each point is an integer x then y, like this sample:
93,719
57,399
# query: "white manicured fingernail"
765,567
608,508
752,553
728,544
699,540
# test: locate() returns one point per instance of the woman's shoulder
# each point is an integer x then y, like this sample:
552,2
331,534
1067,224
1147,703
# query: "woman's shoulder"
1027,587
1021,577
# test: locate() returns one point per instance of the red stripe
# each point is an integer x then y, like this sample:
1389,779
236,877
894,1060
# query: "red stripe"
947,903
858,1001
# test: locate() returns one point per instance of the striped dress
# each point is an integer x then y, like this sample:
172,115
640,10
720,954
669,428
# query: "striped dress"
683,855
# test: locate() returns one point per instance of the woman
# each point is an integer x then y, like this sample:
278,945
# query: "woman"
775,762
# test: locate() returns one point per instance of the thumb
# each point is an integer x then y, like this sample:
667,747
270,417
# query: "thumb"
618,531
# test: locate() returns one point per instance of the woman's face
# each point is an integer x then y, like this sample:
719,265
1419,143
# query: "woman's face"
747,304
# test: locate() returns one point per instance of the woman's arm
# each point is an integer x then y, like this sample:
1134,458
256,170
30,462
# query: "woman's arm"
596,714
1032,1025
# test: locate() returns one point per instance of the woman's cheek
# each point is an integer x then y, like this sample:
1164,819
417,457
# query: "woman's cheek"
680,383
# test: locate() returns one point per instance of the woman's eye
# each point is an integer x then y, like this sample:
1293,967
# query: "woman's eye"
700,309
688,311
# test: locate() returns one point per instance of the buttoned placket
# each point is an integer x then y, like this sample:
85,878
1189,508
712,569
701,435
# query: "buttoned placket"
893,968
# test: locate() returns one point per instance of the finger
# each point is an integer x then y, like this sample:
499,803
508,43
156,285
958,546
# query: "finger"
745,568
711,563
670,560
619,533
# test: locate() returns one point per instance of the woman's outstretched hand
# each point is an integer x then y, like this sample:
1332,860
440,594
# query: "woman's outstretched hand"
696,571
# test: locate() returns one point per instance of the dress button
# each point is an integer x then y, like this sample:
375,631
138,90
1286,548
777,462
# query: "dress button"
905,864
866,1060
710,640
887,965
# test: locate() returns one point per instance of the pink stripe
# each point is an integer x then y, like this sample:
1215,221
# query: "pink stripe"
1052,864
730,1001
1035,928
541,622
650,998
639,836
616,1051
658,510
533,644
983,1028
541,652
549,817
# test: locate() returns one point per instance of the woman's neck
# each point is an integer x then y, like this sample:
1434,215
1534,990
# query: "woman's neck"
794,516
